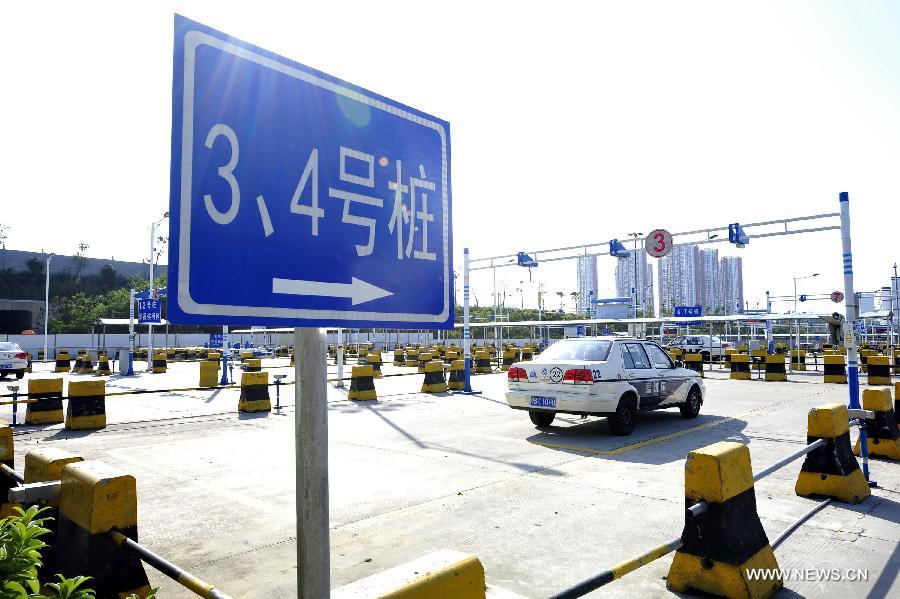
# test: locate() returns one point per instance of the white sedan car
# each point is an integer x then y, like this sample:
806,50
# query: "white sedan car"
13,360
603,376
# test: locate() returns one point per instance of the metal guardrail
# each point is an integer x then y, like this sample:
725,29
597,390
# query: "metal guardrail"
698,509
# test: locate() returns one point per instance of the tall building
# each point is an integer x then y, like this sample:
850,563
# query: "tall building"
587,283
732,272
680,278
643,286
710,282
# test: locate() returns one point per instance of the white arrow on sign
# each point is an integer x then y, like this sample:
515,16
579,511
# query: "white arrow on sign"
357,290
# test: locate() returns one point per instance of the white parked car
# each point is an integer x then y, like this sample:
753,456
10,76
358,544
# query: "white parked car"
13,360
701,344
603,376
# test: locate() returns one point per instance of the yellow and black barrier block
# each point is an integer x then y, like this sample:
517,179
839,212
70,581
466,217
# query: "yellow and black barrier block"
94,500
399,358
884,438
160,362
7,458
86,409
434,378
44,465
509,358
722,544
424,358
362,383
254,392
798,359
48,409
213,356
457,378
526,354
864,354
87,364
76,367
740,367
775,368
374,360
728,353
694,362
483,363
896,361
831,470
412,357
444,574
835,368
246,355
879,370
209,374
103,367
253,365
450,356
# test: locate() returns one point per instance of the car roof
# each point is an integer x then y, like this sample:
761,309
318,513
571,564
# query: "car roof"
604,338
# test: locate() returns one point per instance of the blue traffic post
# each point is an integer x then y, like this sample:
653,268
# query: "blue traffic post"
467,353
224,379
852,314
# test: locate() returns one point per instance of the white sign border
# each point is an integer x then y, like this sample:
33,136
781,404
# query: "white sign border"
194,39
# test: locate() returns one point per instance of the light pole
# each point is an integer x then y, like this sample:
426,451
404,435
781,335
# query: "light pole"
47,303
150,292
634,290
815,274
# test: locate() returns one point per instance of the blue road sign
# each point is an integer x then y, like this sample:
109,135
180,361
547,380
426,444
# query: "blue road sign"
215,339
606,331
298,199
149,311
688,311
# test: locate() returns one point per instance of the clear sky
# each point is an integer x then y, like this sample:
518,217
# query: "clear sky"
570,122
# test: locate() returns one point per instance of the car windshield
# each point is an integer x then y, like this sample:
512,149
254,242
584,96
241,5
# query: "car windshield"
5,346
589,350
677,340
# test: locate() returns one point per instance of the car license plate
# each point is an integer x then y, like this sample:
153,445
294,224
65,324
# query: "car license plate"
5,365
543,402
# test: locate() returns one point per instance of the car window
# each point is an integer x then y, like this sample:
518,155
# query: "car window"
589,350
658,357
638,358
6,346
678,340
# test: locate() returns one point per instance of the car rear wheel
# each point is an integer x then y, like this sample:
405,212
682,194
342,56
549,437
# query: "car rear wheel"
542,419
622,422
691,407
20,374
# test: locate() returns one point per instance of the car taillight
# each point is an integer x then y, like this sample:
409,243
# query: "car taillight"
578,376
517,374
22,356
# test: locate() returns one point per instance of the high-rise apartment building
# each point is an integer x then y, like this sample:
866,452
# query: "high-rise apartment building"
679,278
587,283
625,281
710,282
732,272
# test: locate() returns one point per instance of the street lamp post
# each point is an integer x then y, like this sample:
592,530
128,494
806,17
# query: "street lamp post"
47,303
152,260
797,320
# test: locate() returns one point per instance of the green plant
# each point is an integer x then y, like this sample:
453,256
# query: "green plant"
20,558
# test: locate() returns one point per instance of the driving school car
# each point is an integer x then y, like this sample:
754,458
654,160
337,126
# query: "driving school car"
603,376
13,360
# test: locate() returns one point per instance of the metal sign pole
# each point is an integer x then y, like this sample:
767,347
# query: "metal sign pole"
224,379
340,358
311,434
852,313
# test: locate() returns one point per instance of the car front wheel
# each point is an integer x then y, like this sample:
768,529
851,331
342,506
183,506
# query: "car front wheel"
542,419
622,422
691,407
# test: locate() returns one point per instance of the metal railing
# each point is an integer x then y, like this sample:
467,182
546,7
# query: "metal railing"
698,509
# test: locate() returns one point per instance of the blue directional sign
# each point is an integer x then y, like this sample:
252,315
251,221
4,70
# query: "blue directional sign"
298,199
215,339
688,311
149,311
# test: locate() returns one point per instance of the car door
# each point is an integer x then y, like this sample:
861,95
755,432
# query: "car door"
672,386
640,373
